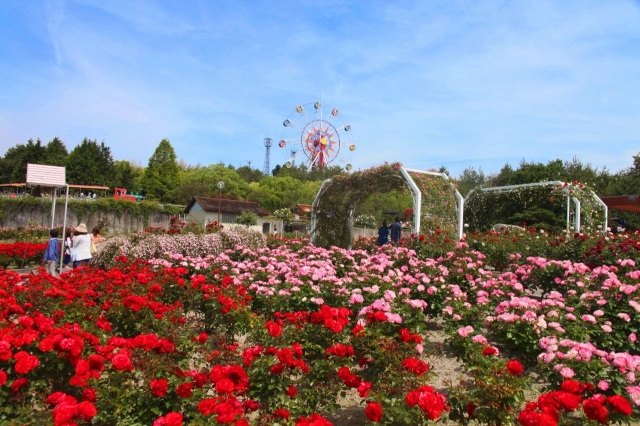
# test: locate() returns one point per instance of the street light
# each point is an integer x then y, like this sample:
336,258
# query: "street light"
220,186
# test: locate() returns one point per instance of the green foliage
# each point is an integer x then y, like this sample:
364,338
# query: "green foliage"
470,179
250,175
90,164
161,176
278,192
203,181
542,207
342,195
301,172
284,214
495,388
88,211
128,176
377,202
247,219
438,203
14,165
55,153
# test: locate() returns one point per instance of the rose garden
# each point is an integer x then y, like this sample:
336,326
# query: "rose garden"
237,328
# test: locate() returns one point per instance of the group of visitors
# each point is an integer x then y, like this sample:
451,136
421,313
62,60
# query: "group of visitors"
395,230
79,248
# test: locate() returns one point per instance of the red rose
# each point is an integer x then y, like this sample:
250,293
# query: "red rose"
373,411
514,367
277,369
620,404
432,404
273,328
206,406
56,398
185,390
364,388
89,395
224,386
471,409
416,366
159,387
534,418
412,398
595,410
490,350
25,362
171,419
86,410
96,362
3,377
568,401
200,379
121,362
17,384
227,411
291,391
281,413
572,386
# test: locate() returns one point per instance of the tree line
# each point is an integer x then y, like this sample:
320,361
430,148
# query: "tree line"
171,181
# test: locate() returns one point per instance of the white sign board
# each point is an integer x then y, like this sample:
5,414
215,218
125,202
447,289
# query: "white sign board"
38,174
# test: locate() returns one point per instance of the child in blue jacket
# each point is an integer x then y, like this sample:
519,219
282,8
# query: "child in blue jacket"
52,253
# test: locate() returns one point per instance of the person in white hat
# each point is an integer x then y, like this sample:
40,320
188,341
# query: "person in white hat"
82,246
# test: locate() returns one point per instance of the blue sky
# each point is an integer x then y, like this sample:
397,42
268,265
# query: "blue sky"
425,83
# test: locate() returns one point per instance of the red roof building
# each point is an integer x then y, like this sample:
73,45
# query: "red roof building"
203,210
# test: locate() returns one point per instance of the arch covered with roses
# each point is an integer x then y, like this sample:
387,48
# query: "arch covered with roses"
436,201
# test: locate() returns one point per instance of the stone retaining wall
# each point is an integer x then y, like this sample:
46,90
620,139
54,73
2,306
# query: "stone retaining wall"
112,223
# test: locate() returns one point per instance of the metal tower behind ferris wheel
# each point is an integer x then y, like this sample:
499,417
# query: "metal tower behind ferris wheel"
321,136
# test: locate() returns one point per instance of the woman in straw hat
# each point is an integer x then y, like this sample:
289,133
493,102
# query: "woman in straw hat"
82,245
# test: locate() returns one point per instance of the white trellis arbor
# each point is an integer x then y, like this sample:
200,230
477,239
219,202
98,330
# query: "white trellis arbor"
417,199
567,193
351,198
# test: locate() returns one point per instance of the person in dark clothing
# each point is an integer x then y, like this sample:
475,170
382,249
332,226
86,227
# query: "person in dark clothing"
396,231
383,234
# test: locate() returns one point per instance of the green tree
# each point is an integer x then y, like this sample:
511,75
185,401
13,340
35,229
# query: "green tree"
12,163
277,192
302,172
503,178
470,179
586,174
13,168
161,175
203,182
90,163
55,153
250,175
247,219
127,175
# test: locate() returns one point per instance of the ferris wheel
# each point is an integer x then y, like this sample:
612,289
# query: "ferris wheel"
316,133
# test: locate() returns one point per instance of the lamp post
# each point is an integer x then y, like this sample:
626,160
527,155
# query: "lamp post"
220,186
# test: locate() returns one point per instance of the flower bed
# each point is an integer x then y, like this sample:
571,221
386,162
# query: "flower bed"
21,254
276,335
